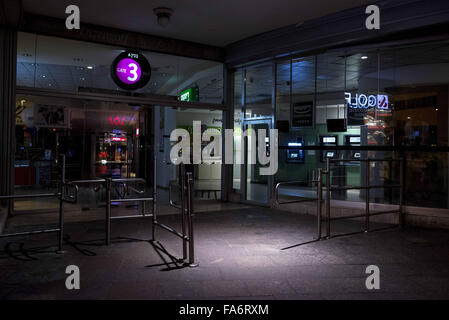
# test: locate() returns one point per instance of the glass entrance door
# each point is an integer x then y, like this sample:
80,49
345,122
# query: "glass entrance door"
256,187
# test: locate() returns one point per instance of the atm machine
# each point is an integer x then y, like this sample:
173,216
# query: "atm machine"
338,173
353,168
352,141
293,153
328,141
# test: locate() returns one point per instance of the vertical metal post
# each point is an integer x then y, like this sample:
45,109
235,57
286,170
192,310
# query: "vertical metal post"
154,217
401,193
182,181
367,195
108,211
328,199
320,199
190,220
61,204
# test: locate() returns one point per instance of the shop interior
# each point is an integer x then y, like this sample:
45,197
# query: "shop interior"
102,139
351,98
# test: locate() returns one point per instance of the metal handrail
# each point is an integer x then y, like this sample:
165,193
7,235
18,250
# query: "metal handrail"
88,181
364,160
71,199
279,184
25,196
172,202
128,180
381,186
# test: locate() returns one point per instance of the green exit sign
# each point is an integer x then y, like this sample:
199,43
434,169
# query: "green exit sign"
191,94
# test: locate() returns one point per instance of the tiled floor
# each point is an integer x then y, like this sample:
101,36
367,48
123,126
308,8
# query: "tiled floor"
240,256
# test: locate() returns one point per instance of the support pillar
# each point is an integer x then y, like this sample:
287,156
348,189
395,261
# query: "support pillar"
10,16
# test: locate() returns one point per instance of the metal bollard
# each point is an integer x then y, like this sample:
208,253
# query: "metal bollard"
320,198
192,263
154,218
367,197
328,199
108,212
401,194
183,210
61,205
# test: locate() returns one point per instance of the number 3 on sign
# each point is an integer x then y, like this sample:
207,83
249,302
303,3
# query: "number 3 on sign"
133,71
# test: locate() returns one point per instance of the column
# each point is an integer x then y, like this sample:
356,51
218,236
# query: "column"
10,13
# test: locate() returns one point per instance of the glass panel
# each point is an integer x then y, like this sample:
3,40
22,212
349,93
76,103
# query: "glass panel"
237,129
207,175
69,65
99,139
415,83
295,120
256,184
259,87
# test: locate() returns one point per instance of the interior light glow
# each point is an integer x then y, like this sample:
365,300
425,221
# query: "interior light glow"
294,144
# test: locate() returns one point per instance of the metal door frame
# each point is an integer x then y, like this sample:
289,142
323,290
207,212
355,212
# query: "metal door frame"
244,171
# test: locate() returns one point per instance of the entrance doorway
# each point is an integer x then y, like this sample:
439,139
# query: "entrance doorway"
98,138
256,187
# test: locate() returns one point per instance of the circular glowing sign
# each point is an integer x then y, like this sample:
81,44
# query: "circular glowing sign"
131,70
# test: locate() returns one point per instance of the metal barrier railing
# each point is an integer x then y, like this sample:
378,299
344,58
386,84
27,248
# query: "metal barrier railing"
368,187
329,188
64,197
61,195
107,182
186,207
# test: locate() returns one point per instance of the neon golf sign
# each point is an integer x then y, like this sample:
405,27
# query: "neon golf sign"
363,101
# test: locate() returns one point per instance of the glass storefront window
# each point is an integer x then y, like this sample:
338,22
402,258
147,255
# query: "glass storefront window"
259,91
237,129
98,139
380,97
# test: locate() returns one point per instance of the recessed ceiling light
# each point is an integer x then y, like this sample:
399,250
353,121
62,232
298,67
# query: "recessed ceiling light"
364,57
409,118
90,67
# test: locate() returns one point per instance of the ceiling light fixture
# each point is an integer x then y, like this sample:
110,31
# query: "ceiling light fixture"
163,15
364,57
90,67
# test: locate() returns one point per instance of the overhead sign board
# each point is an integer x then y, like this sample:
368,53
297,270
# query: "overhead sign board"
190,94
131,70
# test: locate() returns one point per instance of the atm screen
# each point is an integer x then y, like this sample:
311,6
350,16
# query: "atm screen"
295,156
354,140
329,139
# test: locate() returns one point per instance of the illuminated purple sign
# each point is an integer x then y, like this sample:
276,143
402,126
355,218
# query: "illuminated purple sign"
128,71
131,70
